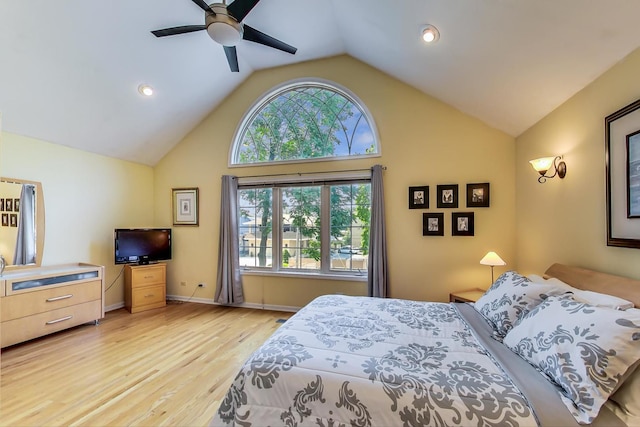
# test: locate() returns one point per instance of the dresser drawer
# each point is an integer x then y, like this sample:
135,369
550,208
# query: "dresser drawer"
148,297
148,275
26,328
29,303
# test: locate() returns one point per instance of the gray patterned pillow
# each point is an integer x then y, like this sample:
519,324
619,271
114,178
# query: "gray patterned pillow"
584,349
510,297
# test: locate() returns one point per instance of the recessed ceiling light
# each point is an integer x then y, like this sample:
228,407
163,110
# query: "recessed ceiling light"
429,33
145,90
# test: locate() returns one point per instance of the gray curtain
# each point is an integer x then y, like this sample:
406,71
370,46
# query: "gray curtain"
26,241
378,270
229,283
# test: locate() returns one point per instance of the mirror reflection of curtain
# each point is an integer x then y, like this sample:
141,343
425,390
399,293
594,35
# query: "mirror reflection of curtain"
26,242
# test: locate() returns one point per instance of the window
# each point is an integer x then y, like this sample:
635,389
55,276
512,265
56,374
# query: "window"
305,121
305,226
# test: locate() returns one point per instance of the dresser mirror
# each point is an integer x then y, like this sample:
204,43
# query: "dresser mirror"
22,226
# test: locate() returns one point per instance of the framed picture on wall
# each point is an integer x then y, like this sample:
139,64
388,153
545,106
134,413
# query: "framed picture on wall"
16,205
622,163
478,195
2,204
419,197
8,205
462,224
185,206
447,196
433,224
5,219
13,220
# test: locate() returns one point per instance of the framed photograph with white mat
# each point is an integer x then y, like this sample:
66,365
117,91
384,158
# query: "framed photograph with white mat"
185,206
622,162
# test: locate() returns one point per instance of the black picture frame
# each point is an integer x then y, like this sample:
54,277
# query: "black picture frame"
2,204
419,197
16,205
5,219
433,224
13,220
623,230
633,174
447,196
462,224
8,205
478,195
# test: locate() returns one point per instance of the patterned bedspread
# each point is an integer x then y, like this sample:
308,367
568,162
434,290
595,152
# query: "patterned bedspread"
368,361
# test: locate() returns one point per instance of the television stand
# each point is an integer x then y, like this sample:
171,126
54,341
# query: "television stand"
145,286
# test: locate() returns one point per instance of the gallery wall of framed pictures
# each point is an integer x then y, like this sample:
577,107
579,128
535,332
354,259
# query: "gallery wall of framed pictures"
462,223
9,210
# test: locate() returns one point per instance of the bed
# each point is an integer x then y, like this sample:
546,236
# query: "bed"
363,361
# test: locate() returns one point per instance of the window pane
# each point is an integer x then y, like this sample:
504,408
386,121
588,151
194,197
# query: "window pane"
255,222
350,221
304,121
301,227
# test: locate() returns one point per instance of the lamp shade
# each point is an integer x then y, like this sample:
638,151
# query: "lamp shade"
542,164
492,259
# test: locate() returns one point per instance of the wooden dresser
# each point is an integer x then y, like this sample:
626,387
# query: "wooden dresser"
39,301
145,286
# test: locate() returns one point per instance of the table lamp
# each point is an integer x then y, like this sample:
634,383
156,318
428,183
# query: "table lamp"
492,259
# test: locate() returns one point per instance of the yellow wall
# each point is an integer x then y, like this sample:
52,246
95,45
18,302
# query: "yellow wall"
86,196
424,142
8,234
565,220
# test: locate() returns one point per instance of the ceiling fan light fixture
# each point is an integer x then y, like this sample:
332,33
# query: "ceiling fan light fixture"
429,34
225,33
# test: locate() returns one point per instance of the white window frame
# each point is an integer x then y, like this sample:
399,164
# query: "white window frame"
323,180
274,93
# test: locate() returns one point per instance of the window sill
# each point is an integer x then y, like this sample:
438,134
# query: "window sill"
315,276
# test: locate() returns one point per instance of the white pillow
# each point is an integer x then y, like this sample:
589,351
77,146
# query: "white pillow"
584,349
590,297
509,297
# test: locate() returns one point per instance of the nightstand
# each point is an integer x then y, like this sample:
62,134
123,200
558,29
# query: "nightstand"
471,295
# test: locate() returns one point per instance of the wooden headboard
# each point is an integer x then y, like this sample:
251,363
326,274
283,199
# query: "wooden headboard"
591,280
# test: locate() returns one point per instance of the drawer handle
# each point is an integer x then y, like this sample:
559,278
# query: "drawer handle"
148,277
59,298
62,319
149,295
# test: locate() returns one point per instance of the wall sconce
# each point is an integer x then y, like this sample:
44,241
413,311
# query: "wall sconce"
543,164
492,259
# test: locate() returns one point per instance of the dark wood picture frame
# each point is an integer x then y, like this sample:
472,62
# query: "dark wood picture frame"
433,224
462,224
5,219
447,196
620,127
2,204
8,205
16,205
478,195
13,220
419,197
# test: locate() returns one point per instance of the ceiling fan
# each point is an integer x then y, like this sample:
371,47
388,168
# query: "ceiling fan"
224,25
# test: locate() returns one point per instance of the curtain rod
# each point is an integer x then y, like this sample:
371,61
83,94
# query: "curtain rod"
305,173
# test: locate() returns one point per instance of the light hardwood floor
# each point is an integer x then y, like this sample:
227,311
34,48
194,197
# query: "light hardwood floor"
165,367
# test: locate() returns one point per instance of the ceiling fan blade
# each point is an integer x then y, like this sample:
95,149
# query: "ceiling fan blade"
256,36
241,8
232,58
178,30
204,6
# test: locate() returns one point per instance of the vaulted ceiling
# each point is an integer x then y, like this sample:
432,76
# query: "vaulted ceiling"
70,69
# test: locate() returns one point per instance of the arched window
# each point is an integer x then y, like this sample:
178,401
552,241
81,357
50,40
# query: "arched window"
303,121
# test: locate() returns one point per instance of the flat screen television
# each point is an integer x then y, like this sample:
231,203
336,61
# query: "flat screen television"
142,245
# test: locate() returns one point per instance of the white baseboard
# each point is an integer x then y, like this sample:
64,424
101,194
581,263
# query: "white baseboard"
252,305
